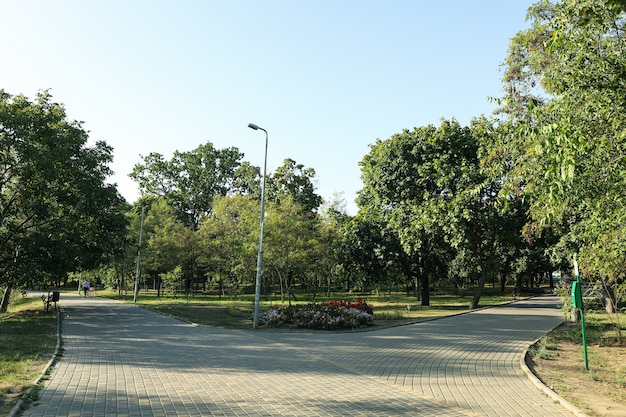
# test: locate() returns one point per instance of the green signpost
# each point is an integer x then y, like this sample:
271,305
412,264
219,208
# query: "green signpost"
577,302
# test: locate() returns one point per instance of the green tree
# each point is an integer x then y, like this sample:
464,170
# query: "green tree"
411,180
172,280
294,180
567,155
191,180
229,242
58,212
290,242
368,245
429,187
168,243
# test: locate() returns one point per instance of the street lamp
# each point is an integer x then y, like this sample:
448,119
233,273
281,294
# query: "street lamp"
259,261
138,273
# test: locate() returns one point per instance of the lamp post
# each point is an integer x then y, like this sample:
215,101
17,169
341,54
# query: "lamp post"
259,261
138,273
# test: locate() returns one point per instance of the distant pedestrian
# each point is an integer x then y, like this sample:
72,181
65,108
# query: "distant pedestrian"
86,286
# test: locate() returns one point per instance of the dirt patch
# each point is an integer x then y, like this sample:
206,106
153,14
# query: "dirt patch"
599,391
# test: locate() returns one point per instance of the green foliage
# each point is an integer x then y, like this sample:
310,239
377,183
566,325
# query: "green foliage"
620,377
291,242
428,189
228,242
566,154
295,181
172,280
58,212
545,348
191,180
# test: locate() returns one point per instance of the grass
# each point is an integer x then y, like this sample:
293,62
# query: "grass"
389,309
558,360
27,342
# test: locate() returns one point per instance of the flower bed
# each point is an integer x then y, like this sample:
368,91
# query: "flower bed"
336,315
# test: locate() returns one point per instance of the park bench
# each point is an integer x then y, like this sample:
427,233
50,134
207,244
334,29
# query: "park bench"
50,298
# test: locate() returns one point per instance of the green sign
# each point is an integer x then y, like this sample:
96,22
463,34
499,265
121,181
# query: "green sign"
577,298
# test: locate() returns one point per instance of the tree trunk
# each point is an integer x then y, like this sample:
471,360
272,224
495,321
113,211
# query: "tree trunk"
518,285
5,300
424,294
479,290
425,289
282,288
484,272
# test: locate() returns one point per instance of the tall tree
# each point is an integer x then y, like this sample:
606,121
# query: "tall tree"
428,185
570,151
296,181
191,180
168,243
410,179
58,214
291,238
229,242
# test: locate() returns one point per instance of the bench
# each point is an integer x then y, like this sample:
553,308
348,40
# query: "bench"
51,298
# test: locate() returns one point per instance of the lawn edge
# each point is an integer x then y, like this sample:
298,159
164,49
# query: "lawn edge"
534,379
24,398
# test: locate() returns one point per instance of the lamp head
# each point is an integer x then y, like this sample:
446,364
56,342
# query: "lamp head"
253,126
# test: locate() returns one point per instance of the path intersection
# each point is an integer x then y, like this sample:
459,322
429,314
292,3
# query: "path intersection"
123,360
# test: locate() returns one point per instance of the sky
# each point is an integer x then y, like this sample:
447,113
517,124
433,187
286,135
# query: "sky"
325,78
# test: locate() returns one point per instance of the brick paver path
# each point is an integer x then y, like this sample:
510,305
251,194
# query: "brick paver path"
122,360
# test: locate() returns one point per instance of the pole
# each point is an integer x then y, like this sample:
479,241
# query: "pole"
259,261
582,315
138,272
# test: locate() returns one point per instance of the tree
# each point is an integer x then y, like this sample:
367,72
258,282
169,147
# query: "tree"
569,152
291,238
191,180
168,242
367,245
294,180
229,242
429,187
57,212
411,179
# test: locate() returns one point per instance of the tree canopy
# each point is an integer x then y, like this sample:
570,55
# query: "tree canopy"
191,180
567,153
58,212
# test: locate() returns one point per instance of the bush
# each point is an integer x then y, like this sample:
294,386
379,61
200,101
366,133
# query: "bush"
336,315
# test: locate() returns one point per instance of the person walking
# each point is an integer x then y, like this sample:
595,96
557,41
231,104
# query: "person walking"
86,286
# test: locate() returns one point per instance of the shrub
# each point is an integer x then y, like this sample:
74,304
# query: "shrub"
336,315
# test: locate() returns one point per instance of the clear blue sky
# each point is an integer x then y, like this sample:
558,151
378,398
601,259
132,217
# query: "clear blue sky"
326,78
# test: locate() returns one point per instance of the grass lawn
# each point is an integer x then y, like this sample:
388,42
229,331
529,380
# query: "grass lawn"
558,360
389,309
28,337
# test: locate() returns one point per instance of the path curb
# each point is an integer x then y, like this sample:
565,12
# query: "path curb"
543,387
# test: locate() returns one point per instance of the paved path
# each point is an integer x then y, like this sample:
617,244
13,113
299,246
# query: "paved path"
122,360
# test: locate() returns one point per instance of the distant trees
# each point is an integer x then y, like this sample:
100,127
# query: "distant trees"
202,222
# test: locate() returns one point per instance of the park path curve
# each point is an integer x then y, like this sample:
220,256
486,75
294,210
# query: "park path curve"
122,360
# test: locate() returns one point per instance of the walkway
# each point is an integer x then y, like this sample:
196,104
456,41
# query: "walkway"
122,360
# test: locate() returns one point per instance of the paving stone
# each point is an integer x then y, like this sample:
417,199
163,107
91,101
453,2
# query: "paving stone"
122,360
